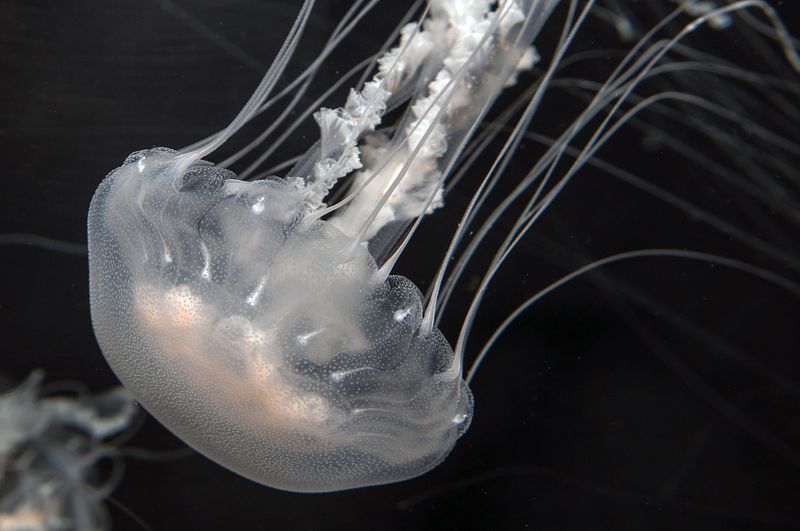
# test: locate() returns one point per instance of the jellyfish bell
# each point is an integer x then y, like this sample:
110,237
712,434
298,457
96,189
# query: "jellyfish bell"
249,334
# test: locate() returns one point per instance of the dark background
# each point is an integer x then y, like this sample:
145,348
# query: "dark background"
659,395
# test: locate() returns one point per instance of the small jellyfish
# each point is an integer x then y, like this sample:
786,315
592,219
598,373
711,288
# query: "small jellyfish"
49,449
259,319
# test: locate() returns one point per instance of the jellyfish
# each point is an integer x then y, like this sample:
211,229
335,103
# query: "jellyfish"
257,317
50,447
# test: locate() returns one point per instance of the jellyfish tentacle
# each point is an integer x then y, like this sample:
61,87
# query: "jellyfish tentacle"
345,27
291,128
763,274
641,68
427,146
290,88
42,242
261,93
